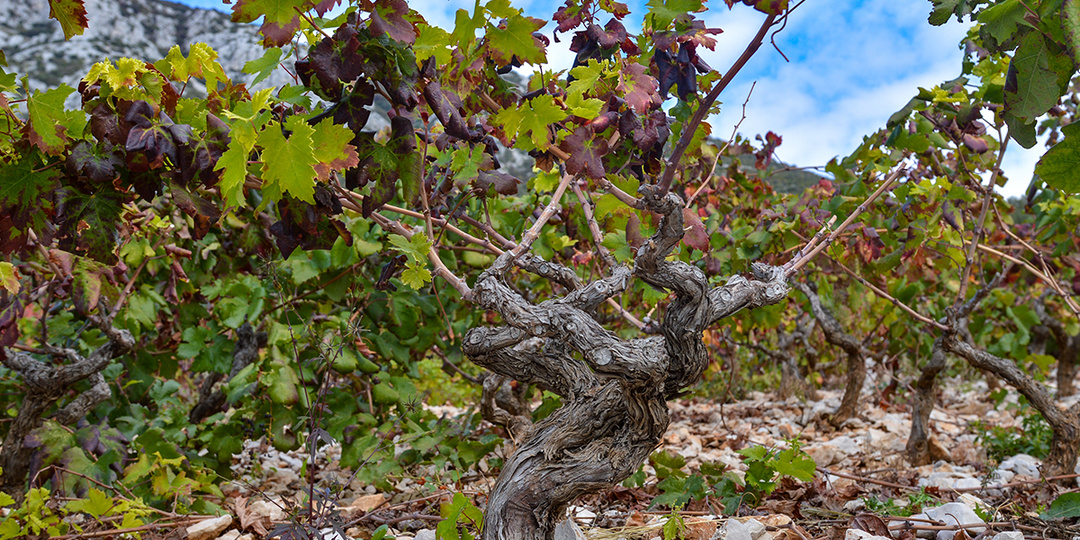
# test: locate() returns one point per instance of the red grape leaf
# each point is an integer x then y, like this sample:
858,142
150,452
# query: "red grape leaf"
695,235
93,161
279,35
26,201
638,88
88,222
585,153
388,18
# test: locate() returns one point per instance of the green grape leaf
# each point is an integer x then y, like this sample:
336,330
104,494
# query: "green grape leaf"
289,164
415,276
465,26
262,67
303,268
797,465
945,9
606,204
1058,166
754,453
71,14
194,341
1021,130
515,38
416,249
663,12
620,248
233,164
585,77
1031,87
50,122
1001,20
96,503
667,463
1065,506
409,165
281,384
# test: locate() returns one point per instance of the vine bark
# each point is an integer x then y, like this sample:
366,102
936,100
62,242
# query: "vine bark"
614,391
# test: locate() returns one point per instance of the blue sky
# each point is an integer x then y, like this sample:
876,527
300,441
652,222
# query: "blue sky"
852,64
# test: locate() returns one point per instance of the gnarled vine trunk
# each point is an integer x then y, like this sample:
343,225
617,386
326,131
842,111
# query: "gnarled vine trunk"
922,404
1065,424
615,396
45,385
1065,440
856,355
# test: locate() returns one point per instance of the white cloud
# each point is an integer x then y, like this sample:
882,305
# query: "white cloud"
852,65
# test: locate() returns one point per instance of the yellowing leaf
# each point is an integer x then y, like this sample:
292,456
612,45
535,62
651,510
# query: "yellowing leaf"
533,117
280,12
201,62
432,41
129,79
587,108
9,278
126,73
289,164
332,148
71,14
415,276
585,77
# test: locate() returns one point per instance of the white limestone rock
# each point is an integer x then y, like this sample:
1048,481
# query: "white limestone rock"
956,513
857,534
209,528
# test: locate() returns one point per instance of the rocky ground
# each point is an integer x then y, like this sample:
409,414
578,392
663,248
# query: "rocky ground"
863,489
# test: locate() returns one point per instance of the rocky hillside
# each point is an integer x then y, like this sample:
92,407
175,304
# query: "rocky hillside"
144,29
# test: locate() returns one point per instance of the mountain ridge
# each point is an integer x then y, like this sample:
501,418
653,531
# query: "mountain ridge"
35,46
